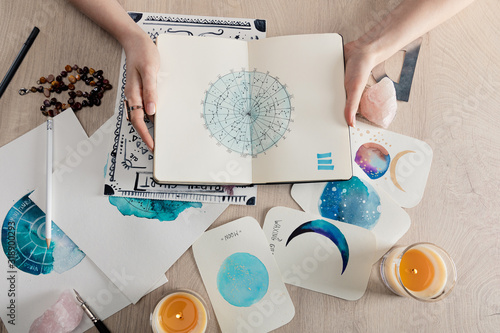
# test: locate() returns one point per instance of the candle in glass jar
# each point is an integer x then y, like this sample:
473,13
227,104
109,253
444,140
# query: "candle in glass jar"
423,271
179,312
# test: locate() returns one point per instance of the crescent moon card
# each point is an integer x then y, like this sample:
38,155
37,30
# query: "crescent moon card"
320,254
397,163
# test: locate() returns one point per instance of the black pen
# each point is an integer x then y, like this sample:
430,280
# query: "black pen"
19,59
97,322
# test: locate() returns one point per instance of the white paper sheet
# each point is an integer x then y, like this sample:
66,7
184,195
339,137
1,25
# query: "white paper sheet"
65,266
242,278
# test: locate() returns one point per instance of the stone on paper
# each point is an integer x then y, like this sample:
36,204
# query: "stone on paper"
378,103
62,317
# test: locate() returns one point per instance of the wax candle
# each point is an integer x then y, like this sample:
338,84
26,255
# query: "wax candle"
423,271
180,312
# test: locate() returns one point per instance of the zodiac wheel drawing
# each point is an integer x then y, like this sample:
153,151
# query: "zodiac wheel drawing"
24,244
248,112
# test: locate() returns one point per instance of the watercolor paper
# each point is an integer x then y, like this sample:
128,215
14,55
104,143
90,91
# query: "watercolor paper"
34,276
242,279
130,172
320,254
356,202
396,163
140,237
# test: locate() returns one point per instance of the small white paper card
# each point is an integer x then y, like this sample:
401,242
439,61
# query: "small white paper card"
397,163
356,202
320,254
242,278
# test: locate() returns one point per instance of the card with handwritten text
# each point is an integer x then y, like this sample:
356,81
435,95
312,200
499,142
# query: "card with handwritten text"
242,279
320,254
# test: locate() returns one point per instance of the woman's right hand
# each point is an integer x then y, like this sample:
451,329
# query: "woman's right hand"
143,63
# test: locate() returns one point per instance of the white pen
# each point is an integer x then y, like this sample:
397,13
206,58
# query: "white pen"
48,213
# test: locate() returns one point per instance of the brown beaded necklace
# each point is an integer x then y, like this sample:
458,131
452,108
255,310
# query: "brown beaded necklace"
91,77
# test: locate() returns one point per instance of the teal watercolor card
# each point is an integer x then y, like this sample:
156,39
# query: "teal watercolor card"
320,254
357,202
242,279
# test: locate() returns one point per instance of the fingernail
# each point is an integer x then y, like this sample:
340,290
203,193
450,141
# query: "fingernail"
353,121
151,109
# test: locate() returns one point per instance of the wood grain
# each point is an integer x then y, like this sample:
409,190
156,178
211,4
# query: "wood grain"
454,106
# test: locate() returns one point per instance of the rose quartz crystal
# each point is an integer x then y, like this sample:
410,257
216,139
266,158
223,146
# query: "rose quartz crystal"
62,317
378,103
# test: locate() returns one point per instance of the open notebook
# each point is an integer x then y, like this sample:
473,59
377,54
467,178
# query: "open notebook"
263,111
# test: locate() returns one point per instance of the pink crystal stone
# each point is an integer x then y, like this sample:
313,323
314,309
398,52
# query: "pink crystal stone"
378,103
62,317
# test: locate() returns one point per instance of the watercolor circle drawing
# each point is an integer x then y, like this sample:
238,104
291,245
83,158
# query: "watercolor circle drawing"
373,159
351,201
242,279
247,112
24,244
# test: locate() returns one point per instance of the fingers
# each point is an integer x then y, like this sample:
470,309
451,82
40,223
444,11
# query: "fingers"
134,98
141,128
354,90
149,94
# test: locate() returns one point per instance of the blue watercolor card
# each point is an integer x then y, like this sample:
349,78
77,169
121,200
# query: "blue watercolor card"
320,254
397,163
359,203
242,279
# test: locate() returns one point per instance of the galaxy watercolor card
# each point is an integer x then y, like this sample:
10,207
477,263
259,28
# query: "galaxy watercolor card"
397,163
242,279
359,203
320,254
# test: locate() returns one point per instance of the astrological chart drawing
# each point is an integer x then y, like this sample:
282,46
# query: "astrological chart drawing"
247,112
24,243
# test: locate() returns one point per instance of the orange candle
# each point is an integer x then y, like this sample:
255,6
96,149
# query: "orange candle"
423,271
179,312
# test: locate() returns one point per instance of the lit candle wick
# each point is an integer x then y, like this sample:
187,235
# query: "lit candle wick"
414,271
179,315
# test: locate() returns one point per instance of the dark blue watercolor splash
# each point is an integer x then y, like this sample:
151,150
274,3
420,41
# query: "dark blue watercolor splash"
328,230
242,279
352,201
24,244
162,210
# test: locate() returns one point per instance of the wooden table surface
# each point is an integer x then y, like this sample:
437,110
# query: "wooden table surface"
454,106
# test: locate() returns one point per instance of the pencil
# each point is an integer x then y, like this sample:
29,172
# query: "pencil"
48,212
19,59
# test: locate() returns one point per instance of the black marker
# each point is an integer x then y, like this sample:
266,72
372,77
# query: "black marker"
17,62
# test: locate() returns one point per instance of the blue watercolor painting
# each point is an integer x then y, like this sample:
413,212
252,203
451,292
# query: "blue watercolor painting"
352,201
24,244
242,279
328,230
373,159
163,210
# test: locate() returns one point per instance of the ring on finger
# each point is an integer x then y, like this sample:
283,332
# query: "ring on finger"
131,108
